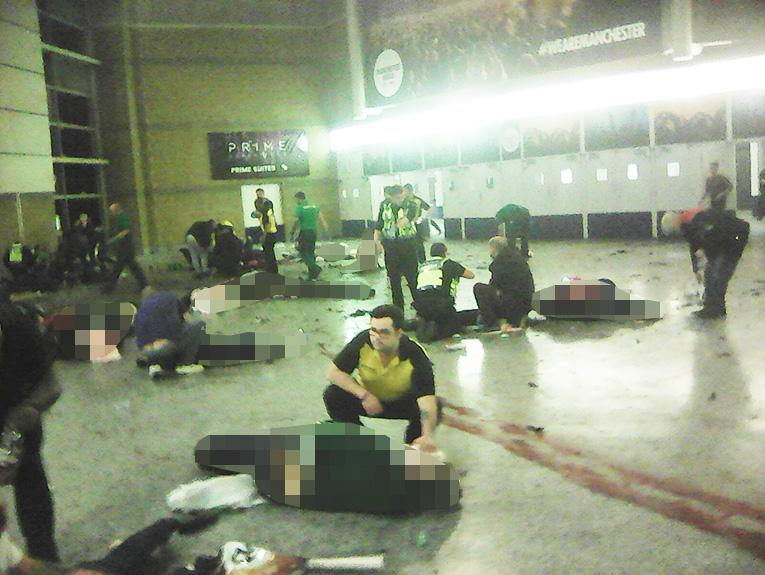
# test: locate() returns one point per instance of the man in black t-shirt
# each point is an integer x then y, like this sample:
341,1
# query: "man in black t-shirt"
394,379
198,240
436,291
717,188
28,387
759,202
421,223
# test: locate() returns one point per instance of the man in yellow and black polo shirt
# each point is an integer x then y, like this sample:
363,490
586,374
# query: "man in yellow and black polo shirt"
264,211
394,379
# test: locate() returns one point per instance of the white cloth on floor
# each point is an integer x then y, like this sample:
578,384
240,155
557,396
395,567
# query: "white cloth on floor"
10,555
232,491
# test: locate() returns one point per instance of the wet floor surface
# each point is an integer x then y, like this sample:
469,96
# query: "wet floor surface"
650,459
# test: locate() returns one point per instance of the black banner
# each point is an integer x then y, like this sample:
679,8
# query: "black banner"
244,155
420,48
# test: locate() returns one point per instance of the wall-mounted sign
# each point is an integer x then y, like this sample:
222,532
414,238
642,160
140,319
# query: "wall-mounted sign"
420,48
242,155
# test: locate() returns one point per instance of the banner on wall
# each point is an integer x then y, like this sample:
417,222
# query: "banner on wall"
420,48
242,155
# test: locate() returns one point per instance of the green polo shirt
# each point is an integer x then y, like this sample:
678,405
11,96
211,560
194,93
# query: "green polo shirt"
307,214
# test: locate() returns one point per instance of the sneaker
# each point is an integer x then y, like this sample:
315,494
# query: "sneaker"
706,313
156,372
189,369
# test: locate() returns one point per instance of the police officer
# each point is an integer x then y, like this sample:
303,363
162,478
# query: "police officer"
397,229
437,283
423,228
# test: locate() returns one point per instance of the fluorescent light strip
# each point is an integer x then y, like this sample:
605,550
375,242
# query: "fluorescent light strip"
624,89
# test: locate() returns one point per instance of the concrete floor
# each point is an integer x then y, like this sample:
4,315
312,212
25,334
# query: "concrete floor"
640,469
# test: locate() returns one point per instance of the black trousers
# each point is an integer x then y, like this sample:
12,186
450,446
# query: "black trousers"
432,305
493,307
269,241
345,407
401,261
423,233
130,557
519,229
717,274
125,257
307,249
34,503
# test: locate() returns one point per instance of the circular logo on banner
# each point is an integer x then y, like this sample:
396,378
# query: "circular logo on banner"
388,73
511,140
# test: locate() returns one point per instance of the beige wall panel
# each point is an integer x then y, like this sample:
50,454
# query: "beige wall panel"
264,97
28,93
24,133
39,217
20,47
25,174
22,12
9,230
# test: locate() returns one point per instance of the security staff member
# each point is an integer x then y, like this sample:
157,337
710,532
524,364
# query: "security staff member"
437,283
423,228
514,222
307,215
122,245
717,188
395,379
264,211
396,227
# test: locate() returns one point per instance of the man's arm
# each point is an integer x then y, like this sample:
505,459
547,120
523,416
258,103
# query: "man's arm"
25,417
344,381
468,275
323,222
428,415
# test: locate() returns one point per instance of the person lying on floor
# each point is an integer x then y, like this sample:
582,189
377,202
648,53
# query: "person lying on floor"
436,289
506,300
127,558
167,337
395,379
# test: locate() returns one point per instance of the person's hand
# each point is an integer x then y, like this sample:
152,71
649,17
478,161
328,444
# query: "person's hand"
371,404
403,222
425,443
11,446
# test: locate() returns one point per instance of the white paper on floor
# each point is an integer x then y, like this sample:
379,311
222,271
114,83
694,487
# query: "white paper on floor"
231,491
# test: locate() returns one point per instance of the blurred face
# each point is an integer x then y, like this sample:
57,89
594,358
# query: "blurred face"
714,169
398,198
236,557
383,335
260,193
114,209
492,250
84,219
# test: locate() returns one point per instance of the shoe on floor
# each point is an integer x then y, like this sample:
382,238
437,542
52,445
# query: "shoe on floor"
189,369
705,313
156,372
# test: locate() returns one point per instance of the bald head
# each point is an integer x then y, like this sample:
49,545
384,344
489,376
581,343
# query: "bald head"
115,208
498,245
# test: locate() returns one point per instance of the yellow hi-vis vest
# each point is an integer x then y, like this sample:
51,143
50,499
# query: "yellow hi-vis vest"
431,276
390,215
17,253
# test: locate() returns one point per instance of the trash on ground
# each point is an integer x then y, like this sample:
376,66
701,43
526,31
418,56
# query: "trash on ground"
232,492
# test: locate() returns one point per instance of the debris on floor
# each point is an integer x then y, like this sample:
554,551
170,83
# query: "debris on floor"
532,384
535,429
455,346
232,492
712,396
360,312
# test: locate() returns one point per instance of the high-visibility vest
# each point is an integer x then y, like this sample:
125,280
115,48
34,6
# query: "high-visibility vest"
391,214
431,276
17,253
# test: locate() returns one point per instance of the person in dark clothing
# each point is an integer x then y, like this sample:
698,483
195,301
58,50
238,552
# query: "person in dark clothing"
227,253
19,260
437,283
396,227
127,558
722,237
759,202
84,241
717,188
395,379
264,211
28,387
514,222
509,292
307,217
198,241
121,244
167,342
421,222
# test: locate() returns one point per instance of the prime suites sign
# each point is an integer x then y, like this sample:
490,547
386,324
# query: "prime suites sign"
243,155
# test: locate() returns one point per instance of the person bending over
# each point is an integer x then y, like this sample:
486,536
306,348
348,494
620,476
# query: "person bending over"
167,337
199,239
394,379
436,289
508,294
514,222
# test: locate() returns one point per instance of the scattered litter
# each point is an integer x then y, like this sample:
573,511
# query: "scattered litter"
636,275
637,341
532,384
755,293
122,405
455,346
664,264
360,312
232,492
422,539
535,429
712,396
724,354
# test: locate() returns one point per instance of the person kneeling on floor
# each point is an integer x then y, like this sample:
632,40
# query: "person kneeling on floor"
509,291
395,379
437,283
167,337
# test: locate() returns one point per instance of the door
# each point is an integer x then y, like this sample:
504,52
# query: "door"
251,224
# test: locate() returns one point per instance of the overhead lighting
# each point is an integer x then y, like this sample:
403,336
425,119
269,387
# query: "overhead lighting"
573,97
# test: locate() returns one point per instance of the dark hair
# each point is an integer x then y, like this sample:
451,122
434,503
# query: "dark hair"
396,189
391,311
408,187
300,196
386,190
438,250
185,302
260,190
